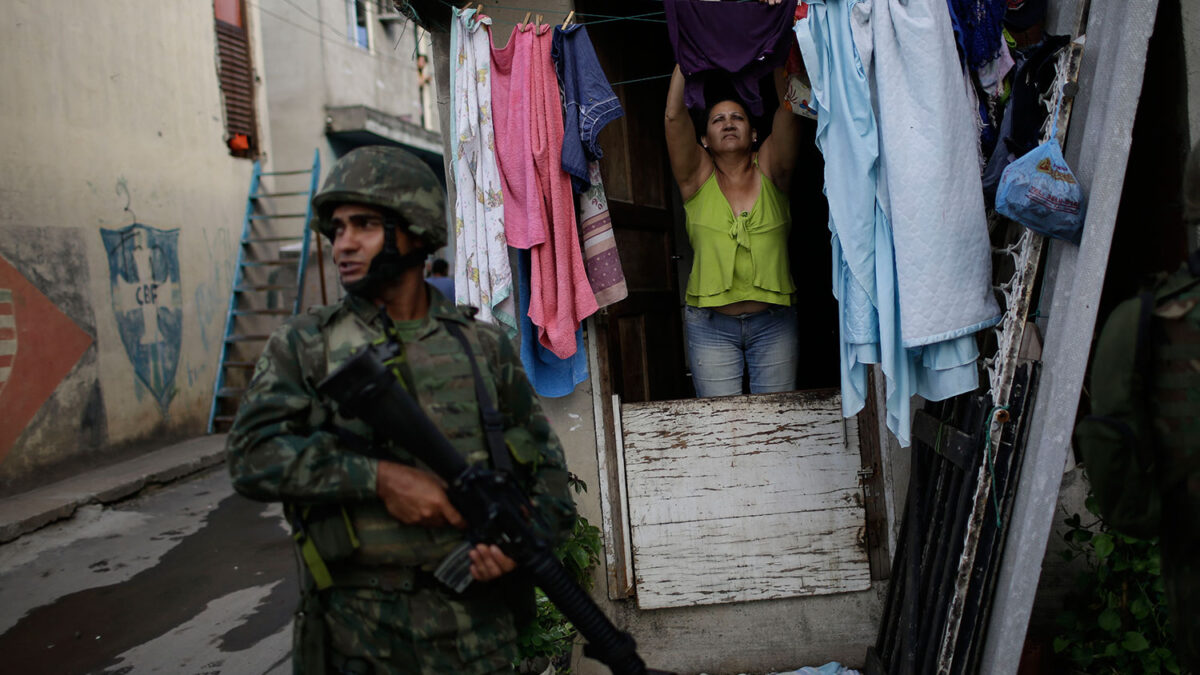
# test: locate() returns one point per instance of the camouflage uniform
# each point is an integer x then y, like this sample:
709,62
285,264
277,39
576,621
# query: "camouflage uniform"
1174,404
289,444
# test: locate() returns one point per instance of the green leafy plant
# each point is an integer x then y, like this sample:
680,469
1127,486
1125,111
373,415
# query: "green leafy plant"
1115,620
549,636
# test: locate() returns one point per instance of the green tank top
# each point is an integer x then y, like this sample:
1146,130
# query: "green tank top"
738,256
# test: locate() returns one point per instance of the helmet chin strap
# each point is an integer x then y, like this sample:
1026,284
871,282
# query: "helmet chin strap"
387,266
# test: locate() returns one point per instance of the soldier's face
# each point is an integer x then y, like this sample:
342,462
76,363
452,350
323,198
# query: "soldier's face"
357,238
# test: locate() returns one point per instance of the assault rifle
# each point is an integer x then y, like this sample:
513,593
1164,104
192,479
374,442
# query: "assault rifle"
494,506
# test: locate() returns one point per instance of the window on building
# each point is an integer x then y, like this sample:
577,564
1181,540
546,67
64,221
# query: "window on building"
356,22
236,77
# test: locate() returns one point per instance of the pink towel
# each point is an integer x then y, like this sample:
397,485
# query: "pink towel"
524,223
560,295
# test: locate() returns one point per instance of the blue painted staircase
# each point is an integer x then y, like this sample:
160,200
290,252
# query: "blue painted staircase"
268,286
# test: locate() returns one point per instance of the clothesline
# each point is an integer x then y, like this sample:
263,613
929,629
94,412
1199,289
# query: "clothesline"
640,79
598,18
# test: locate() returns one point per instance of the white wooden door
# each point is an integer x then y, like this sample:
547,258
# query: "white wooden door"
743,498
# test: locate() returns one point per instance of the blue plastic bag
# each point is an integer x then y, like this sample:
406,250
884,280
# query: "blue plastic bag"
1039,191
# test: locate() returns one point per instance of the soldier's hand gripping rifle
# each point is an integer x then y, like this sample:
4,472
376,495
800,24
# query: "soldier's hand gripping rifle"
494,506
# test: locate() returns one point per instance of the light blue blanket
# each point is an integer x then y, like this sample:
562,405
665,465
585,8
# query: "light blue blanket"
869,275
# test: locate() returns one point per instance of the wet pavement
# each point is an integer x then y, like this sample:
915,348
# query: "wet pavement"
189,578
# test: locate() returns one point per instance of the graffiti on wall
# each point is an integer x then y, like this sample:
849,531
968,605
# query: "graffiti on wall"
147,299
39,345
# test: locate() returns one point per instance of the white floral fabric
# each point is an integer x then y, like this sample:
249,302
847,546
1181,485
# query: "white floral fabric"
482,276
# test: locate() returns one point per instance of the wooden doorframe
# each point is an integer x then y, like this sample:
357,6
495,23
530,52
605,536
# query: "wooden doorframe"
618,553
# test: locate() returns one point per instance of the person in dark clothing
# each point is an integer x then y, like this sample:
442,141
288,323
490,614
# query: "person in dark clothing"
439,278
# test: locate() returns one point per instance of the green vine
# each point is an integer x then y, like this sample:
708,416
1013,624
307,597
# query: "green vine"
550,636
1115,619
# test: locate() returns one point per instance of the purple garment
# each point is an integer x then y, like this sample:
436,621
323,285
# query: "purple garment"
745,39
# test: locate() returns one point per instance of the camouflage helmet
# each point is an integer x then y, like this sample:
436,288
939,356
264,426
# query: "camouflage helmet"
389,178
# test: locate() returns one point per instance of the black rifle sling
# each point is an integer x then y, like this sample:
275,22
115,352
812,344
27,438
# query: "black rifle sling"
493,422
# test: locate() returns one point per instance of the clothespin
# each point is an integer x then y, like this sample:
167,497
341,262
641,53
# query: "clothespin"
479,10
568,19
539,22
525,22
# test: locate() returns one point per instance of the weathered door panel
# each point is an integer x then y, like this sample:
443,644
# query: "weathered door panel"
644,331
744,498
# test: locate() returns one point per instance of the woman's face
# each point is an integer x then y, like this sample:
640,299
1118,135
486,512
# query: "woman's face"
728,128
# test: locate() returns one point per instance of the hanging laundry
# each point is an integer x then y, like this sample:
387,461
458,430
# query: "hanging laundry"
549,375
977,30
992,74
849,140
933,195
524,222
864,264
482,277
799,96
560,295
985,60
699,31
932,258
589,103
600,256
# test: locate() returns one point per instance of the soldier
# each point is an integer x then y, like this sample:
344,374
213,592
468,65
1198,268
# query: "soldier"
370,523
1141,442
1176,406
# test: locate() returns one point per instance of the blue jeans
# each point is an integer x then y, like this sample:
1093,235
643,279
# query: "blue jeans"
721,347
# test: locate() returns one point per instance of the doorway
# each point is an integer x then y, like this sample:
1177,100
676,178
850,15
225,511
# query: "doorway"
777,473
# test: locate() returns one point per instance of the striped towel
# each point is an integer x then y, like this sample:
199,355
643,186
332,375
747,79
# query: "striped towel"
599,245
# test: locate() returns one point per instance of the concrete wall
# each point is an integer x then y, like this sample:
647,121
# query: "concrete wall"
312,63
1190,12
111,115
1191,45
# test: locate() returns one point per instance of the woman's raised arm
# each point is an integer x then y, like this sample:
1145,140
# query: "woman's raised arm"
777,156
689,163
